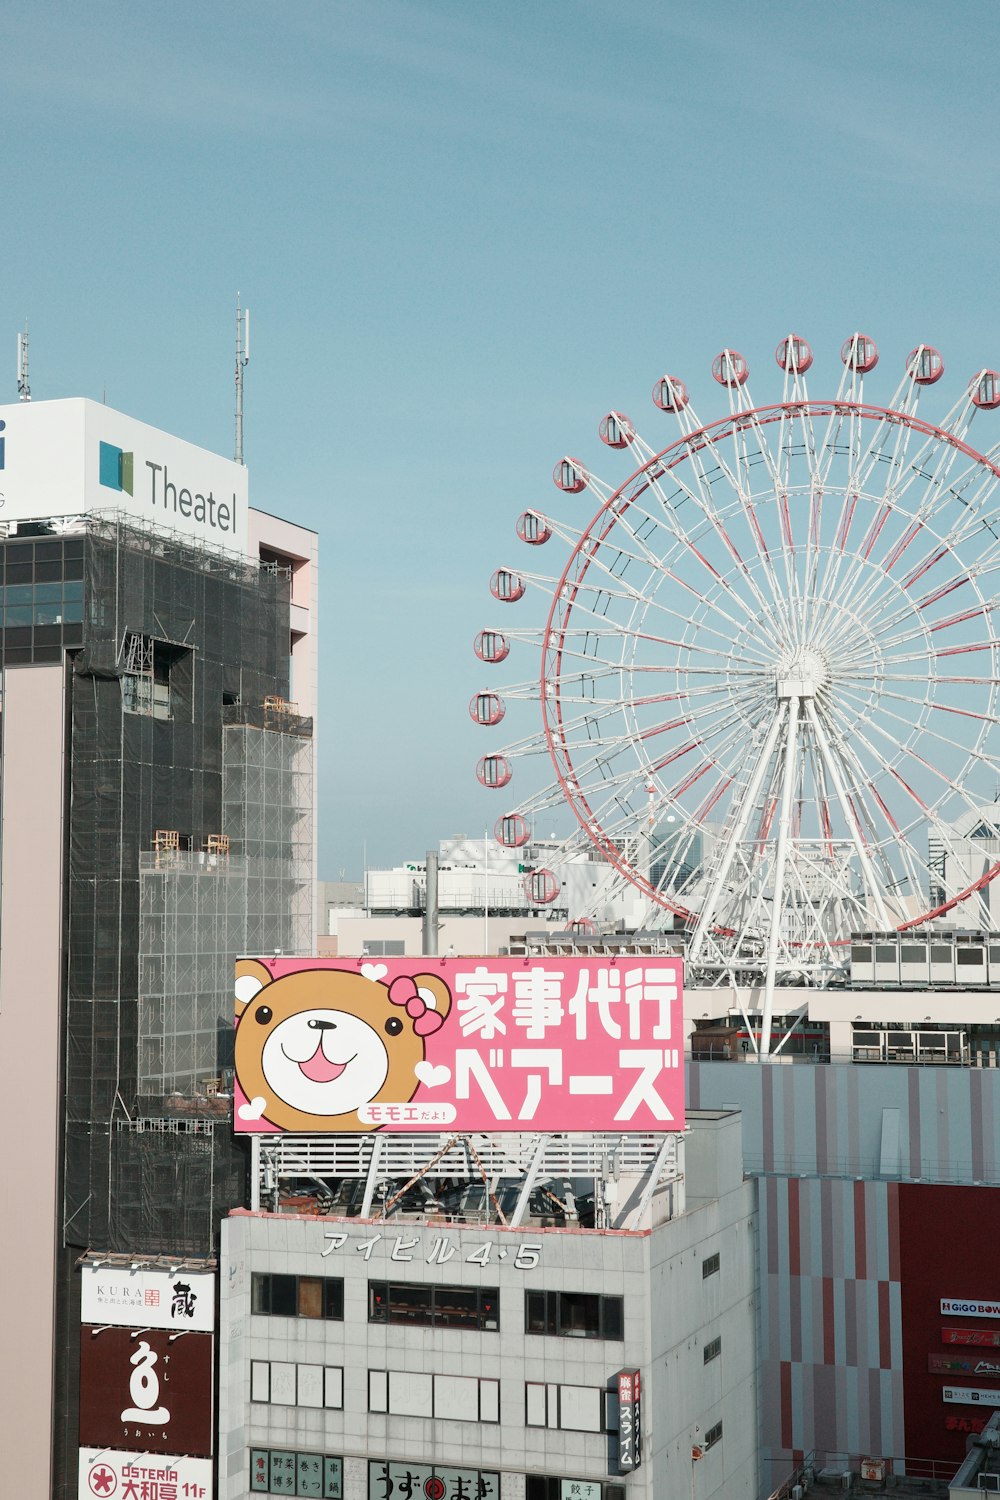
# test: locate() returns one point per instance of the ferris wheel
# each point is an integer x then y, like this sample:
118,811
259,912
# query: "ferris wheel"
767,663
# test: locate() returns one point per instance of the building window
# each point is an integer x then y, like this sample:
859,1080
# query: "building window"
279,1472
572,1408
577,1315
280,1384
298,1296
713,1435
710,1266
440,1306
713,1349
384,948
455,1398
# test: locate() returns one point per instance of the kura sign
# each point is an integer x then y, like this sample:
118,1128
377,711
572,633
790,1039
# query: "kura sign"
491,1044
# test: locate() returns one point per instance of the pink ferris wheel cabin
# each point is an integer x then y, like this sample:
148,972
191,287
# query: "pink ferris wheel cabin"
491,646
794,355
506,586
984,391
616,430
670,394
532,528
493,771
570,476
730,368
512,831
924,364
860,353
486,709
541,887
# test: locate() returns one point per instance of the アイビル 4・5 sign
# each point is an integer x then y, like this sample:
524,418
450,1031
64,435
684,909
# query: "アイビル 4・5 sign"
490,1044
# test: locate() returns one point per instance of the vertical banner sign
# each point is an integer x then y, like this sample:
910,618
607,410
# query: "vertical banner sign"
629,1420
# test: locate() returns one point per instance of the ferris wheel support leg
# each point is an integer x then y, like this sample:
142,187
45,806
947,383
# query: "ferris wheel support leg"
774,931
833,771
753,788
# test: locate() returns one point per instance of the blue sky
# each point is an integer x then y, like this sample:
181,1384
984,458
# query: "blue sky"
465,232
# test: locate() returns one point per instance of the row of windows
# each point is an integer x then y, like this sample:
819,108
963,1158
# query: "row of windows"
569,1408
297,1296
455,1398
278,1472
438,1306
582,1315
282,1383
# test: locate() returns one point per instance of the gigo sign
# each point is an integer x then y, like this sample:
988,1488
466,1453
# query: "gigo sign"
969,1307
491,1044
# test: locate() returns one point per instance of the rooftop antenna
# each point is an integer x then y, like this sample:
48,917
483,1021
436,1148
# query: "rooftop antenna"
23,388
242,360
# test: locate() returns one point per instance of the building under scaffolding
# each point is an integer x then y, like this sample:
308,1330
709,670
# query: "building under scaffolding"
157,820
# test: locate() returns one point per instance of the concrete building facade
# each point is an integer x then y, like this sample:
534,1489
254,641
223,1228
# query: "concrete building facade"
385,1353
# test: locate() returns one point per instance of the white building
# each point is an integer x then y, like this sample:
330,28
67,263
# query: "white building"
485,1357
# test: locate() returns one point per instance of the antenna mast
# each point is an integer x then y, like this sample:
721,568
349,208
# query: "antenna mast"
23,388
242,360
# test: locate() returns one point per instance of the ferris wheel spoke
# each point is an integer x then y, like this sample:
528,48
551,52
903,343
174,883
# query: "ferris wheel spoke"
701,497
901,752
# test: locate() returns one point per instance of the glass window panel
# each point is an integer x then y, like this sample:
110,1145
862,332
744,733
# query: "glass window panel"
534,1312
378,1390
410,1394
18,593
18,614
456,1397
282,1383
410,1304
333,1297
72,590
283,1296
613,1310
580,1408
310,1474
73,612
580,1315
47,614
333,1479
535,1405
48,593
259,1469
310,1388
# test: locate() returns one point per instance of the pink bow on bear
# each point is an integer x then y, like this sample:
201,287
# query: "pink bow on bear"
403,991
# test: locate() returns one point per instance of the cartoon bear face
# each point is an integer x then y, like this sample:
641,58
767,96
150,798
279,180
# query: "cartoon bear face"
315,1046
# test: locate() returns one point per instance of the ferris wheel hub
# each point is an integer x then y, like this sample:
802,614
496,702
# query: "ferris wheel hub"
802,674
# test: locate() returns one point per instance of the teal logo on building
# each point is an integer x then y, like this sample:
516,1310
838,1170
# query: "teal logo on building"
116,468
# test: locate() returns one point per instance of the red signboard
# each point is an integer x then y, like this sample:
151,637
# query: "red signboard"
478,1044
147,1389
981,1338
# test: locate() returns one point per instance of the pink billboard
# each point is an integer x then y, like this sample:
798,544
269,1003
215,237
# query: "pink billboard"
473,1044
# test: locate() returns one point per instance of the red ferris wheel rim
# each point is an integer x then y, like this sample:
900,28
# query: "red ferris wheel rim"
567,588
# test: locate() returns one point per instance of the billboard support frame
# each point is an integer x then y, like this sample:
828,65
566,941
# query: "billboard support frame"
640,1163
